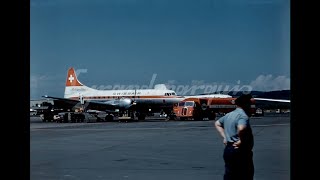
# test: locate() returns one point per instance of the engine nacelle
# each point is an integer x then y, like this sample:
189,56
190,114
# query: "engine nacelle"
125,103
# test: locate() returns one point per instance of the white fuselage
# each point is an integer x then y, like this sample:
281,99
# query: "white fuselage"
148,96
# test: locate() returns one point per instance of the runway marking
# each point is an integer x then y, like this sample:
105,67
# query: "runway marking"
99,129
134,129
115,128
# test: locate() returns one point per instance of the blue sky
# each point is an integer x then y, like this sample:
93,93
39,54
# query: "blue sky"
182,42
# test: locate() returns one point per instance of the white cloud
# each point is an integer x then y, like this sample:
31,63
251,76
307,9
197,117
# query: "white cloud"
43,84
269,83
35,80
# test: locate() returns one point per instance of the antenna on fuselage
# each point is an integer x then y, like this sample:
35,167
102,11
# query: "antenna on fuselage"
81,99
81,102
134,99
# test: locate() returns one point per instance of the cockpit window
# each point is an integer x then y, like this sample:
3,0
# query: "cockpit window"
181,103
169,94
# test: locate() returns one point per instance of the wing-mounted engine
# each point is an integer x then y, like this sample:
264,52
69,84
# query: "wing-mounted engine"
125,103
122,103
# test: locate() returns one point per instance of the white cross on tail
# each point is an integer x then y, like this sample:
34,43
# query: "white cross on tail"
71,78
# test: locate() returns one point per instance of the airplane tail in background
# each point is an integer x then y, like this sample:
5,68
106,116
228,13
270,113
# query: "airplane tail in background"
73,86
72,79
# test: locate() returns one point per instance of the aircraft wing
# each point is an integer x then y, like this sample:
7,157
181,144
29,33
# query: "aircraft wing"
98,105
62,99
274,100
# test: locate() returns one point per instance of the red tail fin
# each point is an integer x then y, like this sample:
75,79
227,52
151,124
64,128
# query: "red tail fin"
72,78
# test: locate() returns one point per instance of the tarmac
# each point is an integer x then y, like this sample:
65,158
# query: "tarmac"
151,150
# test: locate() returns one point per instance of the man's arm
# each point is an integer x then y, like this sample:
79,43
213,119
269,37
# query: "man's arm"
221,131
241,128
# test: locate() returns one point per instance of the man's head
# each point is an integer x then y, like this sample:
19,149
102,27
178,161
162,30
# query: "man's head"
244,101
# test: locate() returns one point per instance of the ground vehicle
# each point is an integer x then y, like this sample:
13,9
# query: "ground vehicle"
47,116
259,112
200,108
193,108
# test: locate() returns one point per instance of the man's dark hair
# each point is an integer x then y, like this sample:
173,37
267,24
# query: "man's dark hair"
244,101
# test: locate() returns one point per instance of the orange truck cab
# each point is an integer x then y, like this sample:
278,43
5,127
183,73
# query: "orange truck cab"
193,108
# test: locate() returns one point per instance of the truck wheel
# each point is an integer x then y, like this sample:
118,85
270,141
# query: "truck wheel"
141,117
212,116
198,118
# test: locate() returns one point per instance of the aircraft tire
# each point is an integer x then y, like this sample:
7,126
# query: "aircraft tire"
109,118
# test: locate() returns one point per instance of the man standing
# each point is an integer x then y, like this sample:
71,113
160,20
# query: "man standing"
237,135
